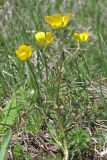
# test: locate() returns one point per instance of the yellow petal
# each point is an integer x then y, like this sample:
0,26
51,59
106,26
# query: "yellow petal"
40,38
23,47
55,21
77,38
49,38
24,52
82,37
43,39
66,19
28,52
23,56
49,19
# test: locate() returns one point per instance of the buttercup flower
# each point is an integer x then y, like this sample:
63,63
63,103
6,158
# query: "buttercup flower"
57,20
82,37
43,38
24,52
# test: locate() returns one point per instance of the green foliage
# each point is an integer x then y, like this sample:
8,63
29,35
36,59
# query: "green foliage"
34,121
78,140
58,4
82,93
2,2
57,157
5,144
2,40
17,151
13,108
29,157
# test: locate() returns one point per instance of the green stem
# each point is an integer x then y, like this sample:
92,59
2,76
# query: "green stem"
46,66
59,69
85,64
44,61
78,70
65,150
59,79
36,82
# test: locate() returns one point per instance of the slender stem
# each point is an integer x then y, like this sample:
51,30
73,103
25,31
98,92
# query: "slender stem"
59,79
60,67
78,70
66,154
35,79
85,64
46,66
65,150
60,122
44,60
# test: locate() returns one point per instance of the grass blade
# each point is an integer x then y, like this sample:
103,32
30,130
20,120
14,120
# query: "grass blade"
5,144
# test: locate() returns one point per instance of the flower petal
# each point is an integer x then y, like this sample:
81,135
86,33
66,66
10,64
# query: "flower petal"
66,19
77,38
40,38
55,21
24,52
82,37
49,38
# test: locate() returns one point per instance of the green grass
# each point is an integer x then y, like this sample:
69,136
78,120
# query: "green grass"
83,85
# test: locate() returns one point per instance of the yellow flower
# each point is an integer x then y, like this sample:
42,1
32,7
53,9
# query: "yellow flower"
24,52
82,37
57,20
43,38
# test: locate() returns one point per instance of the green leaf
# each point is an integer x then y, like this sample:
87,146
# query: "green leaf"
33,122
12,110
17,151
5,144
